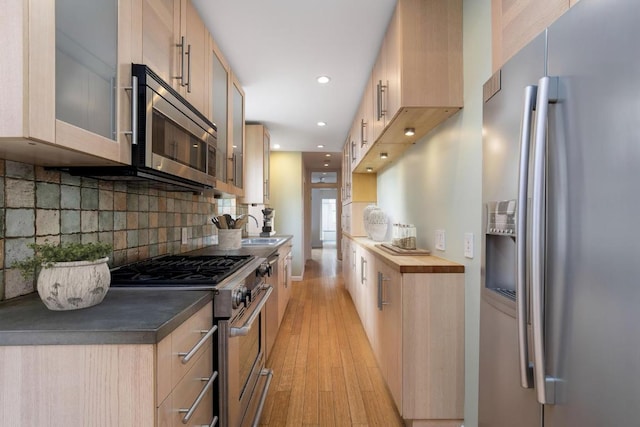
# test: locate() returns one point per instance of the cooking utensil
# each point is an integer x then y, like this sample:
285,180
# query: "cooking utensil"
230,221
241,221
215,221
222,220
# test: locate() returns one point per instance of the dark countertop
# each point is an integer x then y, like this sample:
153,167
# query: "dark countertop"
123,317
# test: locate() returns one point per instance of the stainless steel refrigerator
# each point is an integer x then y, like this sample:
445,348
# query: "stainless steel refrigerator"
560,308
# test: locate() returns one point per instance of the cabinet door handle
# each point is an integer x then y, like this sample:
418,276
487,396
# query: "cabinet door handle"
381,301
381,89
189,412
181,76
363,139
187,356
188,69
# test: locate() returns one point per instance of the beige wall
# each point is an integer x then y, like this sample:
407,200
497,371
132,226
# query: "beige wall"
287,199
442,175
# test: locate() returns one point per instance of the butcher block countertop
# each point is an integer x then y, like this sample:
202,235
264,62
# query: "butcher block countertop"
410,263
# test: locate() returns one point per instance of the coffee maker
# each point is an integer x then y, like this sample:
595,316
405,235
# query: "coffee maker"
267,228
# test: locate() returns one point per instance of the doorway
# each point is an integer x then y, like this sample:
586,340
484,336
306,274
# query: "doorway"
323,217
323,212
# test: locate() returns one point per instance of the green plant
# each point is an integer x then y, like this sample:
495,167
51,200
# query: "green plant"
46,254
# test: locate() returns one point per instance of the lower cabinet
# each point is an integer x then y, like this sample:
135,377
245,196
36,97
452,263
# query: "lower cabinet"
141,385
284,280
280,280
415,325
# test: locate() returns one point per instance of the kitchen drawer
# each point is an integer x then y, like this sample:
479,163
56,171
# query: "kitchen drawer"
186,392
170,369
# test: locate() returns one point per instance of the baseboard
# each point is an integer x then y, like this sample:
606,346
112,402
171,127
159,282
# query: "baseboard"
296,278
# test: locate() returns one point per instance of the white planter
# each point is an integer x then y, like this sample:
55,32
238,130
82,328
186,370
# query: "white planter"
74,285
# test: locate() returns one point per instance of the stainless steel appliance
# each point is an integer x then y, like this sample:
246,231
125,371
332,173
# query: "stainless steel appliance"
238,308
560,294
173,144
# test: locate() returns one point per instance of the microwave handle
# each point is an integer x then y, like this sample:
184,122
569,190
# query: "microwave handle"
134,110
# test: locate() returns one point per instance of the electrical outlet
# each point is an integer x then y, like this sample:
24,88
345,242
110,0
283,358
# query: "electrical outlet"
185,235
468,245
440,240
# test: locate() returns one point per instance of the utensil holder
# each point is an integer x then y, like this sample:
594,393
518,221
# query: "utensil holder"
230,239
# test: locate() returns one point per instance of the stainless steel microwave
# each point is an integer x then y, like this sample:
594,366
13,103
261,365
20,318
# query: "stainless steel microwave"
173,145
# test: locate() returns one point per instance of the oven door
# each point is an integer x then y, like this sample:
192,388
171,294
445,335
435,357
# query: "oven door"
247,380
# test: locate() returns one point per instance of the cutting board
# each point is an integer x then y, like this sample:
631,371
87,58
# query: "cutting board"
394,250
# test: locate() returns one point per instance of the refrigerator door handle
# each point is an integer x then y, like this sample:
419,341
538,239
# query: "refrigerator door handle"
545,385
526,369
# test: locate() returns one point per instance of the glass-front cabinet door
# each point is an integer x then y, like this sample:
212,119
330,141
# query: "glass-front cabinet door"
238,134
219,110
93,56
86,64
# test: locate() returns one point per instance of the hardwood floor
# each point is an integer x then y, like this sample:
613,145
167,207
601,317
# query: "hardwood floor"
325,373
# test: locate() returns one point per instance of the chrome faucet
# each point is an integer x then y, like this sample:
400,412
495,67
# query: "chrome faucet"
245,233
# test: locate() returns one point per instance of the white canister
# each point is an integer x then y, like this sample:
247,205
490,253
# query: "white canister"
230,238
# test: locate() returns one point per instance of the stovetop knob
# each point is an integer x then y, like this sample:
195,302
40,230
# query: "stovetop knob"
239,296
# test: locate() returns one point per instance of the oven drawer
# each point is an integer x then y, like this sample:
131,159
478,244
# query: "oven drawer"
173,348
191,401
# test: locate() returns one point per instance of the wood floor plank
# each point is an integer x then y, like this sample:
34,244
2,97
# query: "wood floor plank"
325,373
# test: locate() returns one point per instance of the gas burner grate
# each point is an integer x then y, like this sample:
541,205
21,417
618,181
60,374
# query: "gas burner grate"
177,270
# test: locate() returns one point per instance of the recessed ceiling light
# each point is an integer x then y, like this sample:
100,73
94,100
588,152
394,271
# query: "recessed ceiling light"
323,80
326,165
320,146
369,169
276,146
384,155
327,155
409,131
321,124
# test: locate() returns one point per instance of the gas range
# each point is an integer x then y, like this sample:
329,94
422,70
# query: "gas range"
233,278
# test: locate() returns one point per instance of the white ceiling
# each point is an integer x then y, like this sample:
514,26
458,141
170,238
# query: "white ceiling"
277,48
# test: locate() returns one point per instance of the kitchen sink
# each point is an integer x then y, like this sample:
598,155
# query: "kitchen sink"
262,241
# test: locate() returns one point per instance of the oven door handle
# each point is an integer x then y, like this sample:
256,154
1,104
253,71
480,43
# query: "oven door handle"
244,329
187,356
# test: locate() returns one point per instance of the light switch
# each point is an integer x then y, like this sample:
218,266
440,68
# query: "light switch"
468,245
440,240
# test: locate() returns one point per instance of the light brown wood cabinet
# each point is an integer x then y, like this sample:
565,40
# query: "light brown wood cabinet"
257,163
110,385
47,56
516,23
416,81
284,279
415,325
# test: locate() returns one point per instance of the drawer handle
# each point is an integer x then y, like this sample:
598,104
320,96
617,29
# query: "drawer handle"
189,412
187,356
263,397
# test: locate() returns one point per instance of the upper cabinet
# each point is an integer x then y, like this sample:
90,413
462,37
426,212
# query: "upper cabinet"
416,81
219,108
66,68
193,57
175,46
516,23
236,175
256,185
